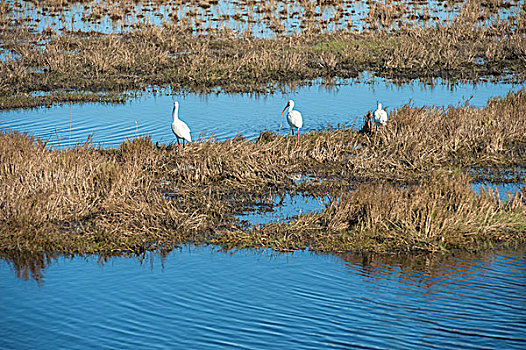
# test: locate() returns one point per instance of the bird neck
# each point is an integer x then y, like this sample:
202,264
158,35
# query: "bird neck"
175,113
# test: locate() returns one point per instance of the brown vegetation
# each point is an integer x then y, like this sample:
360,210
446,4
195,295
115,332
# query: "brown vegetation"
468,48
442,213
401,187
404,187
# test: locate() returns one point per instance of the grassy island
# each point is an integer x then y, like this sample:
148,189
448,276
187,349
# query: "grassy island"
404,187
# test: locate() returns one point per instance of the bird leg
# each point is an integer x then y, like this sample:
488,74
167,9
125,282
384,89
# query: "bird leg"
183,147
298,135
178,145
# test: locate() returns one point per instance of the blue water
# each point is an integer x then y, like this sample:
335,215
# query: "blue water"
203,299
284,208
506,190
224,116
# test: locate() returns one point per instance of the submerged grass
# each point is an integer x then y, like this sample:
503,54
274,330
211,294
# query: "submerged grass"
25,101
403,187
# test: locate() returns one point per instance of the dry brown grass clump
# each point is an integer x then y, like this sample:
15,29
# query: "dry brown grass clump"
419,140
138,196
441,213
84,199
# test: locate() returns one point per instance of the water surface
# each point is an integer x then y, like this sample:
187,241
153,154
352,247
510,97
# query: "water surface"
204,298
284,208
506,190
225,116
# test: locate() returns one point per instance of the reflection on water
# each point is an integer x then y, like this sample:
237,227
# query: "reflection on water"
204,298
28,265
225,116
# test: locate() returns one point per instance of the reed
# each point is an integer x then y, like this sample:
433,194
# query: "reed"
25,101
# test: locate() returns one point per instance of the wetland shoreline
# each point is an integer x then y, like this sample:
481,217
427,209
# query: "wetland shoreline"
48,67
405,187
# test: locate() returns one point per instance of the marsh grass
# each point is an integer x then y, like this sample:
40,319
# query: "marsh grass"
467,48
47,100
440,214
401,187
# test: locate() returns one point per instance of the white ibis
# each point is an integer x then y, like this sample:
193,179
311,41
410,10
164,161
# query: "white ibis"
380,115
293,118
180,129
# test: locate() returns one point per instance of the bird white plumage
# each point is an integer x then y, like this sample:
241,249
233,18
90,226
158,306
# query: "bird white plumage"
179,128
294,118
380,115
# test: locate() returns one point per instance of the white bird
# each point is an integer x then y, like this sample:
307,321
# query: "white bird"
180,129
293,118
380,115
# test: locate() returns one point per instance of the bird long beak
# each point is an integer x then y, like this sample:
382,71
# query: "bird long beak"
284,109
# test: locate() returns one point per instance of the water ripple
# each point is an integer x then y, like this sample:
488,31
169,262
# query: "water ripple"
225,116
198,298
